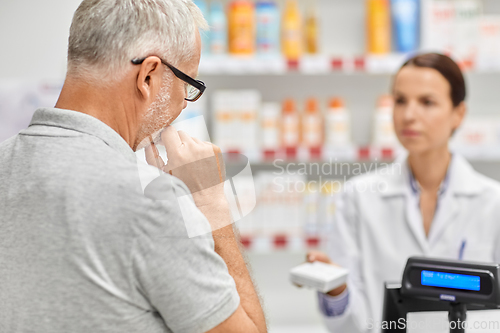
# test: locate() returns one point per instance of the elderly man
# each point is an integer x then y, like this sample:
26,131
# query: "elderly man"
82,249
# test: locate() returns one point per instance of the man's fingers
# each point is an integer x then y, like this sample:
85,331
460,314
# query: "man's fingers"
150,157
153,158
185,138
171,139
198,141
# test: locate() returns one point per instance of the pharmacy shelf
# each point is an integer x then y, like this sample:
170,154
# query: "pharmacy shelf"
314,65
280,242
308,65
352,154
333,155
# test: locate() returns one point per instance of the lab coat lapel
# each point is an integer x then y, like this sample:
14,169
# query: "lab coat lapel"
463,181
445,215
399,185
414,220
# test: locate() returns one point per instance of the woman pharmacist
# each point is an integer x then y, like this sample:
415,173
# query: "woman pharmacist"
436,205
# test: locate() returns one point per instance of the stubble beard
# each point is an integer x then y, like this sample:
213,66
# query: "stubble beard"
157,117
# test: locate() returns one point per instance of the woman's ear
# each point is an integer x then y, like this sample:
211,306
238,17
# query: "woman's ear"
459,115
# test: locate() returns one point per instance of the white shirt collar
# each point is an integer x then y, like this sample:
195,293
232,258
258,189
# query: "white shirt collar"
462,178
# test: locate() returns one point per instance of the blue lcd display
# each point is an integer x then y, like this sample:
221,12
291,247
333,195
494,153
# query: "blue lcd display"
449,280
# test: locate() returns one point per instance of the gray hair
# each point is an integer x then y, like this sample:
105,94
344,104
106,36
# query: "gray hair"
106,35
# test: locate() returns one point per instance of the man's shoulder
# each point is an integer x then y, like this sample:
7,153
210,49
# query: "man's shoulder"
139,195
170,207
7,141
100,184
6,146
146,210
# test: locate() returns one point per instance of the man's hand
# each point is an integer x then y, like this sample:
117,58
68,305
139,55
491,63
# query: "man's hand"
313,256
198,164
201,167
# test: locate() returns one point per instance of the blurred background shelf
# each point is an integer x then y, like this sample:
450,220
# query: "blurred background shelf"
301,156
307,65
313,65
284,242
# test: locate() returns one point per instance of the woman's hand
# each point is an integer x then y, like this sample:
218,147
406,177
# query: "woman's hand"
313,256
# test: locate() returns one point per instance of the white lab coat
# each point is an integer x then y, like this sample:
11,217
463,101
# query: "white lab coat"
376,231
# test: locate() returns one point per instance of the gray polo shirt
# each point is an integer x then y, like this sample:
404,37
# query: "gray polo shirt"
83,250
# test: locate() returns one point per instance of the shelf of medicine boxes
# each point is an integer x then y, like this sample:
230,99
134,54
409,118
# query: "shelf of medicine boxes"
309,65
348,154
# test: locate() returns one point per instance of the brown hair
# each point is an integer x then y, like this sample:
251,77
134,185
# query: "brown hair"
448,69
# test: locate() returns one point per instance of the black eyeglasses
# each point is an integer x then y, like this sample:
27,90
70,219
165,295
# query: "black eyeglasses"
194,88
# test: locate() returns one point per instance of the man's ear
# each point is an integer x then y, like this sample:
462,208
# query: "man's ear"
149,77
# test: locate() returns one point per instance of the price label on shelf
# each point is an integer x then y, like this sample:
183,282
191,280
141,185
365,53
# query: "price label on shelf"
386,64
318,64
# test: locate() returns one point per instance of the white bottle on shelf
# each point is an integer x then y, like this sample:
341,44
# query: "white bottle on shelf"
330,194
312,125
290,132
311,202
270,133
489,43
466,37
247,106
223,119
338,124
235,119
384,135
291,219
438,26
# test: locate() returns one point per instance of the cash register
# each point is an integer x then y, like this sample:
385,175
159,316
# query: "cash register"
441,285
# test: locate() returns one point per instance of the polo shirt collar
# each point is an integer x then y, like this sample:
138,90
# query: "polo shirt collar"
81,122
